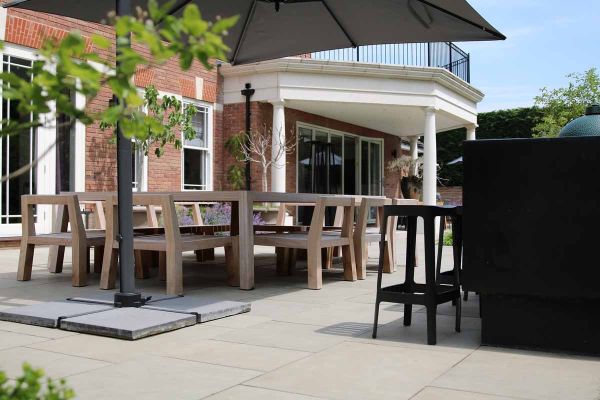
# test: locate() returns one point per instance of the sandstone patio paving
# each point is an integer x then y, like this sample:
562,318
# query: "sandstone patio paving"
56,365
531,375
361,371
432,393
295,344
152,377
254,393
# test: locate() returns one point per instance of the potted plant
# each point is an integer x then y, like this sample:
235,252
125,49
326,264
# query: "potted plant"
410,176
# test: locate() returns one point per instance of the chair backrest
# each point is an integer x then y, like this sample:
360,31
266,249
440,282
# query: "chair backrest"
99,207
318,218
152,211
73,215
167,204
366,204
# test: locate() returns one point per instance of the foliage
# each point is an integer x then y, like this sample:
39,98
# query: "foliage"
236,175
220,214
559,106
259,147
68,66
30,386
448,238
513,123
174,117
406,166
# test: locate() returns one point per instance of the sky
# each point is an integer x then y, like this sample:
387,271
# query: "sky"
546,40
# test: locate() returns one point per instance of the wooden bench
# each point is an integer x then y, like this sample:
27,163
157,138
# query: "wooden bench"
314,240
170,241
78,238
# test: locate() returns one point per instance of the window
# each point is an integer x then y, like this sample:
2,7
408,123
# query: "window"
16,151
138,168
196,163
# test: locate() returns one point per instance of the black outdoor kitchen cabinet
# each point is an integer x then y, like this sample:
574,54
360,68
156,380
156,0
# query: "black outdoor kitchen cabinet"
531,235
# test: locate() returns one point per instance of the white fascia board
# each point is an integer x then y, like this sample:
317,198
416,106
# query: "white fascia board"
336,68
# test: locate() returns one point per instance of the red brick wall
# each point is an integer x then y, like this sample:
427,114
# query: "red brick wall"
29,29
262,115
451,194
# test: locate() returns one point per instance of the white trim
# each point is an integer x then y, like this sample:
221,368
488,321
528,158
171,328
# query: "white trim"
3,15
342,68
199,88
80,146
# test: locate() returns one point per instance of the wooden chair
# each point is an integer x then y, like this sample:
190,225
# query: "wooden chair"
201,255
60,224
169,241
78,238
363,235
316,239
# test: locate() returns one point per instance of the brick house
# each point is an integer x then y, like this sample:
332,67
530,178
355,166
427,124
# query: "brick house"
348,119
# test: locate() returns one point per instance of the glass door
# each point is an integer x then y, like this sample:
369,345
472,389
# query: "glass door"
16,151
326,164
371,175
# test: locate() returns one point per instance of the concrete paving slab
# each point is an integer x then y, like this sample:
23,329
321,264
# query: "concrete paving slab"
254,393
50,313
128,323
360,371
205,309
55,365
157,378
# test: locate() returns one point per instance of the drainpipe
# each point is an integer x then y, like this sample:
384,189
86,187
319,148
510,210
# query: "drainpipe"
247,93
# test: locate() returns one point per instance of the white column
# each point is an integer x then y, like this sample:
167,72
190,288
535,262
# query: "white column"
277,151
414,149
471,132
430,158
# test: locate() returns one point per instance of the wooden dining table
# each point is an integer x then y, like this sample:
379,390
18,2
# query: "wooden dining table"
241,218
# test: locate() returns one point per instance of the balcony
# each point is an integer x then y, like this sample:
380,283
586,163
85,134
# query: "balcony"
440,54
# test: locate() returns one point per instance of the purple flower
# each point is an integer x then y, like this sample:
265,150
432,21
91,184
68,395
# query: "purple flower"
257,219
220,214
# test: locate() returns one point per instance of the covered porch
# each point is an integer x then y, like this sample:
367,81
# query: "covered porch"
405,102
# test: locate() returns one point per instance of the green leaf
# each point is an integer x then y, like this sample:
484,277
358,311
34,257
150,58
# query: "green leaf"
192,20
100,41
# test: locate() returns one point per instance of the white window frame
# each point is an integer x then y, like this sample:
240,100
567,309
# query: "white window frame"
209,149
143,159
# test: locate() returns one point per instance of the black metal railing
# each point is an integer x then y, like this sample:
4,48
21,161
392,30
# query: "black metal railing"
445,55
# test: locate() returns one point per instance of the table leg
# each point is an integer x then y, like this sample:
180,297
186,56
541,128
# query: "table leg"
56,253
246,240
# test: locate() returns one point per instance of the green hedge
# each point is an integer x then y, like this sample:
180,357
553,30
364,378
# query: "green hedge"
513,123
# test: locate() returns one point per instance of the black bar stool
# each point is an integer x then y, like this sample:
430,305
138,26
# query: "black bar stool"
431,293
446,276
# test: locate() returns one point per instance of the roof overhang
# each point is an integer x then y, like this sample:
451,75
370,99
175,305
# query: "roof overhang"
388,98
